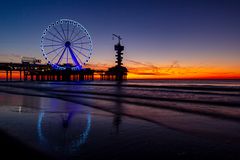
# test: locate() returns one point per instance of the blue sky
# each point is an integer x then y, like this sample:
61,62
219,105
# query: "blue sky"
154,32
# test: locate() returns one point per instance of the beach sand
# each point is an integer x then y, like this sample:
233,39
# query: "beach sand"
99,121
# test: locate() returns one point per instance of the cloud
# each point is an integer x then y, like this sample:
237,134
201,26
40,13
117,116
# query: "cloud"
10,58
173,70
150,74
138,64
141,63
98,66
175,64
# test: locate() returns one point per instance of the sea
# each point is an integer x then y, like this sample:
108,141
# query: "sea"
158,119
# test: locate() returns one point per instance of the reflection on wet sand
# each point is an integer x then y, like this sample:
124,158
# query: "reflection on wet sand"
118,108
93,120
68,146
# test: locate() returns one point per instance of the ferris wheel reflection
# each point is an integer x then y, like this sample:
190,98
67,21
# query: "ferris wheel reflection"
68,146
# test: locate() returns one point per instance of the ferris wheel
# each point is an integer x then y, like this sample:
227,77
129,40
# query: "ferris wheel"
66,44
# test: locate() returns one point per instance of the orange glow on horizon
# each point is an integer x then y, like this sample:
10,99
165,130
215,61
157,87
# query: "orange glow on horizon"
135,76
175,71
172,72
185,73
15,75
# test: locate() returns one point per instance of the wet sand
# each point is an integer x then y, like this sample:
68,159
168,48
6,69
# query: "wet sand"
12,148
86,121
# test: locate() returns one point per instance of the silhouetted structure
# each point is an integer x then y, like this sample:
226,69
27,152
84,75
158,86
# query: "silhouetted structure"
29,70
117,72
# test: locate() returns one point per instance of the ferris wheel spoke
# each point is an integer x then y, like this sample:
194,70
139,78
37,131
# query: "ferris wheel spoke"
78,39
73,30
63,31
73,57
80,52
82,48
52,40
58,33
57,55
55,36
52,45
60,59
76,35
82,43
54,50
67,30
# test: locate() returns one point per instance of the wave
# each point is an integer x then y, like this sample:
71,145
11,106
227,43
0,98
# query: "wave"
216,109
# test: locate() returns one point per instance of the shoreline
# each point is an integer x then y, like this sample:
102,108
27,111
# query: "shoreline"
174,135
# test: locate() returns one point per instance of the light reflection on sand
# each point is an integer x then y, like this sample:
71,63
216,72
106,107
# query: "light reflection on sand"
80,124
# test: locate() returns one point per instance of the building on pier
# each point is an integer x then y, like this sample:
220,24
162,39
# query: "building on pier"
118,72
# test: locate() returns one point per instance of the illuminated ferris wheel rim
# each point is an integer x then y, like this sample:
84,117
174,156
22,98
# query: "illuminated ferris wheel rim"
67,44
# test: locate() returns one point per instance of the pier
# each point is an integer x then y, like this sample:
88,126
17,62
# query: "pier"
31,69
41,72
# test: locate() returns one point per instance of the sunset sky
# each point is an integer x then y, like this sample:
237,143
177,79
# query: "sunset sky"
162,38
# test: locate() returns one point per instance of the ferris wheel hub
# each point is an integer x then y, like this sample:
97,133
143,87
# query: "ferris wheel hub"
67,44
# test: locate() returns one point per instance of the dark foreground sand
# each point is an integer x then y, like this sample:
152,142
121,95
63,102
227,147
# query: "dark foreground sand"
185,125
12,148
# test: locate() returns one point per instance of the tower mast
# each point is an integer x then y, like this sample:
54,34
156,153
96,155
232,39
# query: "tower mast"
118,48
